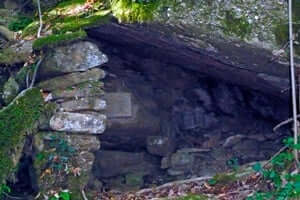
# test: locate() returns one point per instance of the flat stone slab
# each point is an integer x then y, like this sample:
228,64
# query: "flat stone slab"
88,103
89,89
118,104
78,123
65,81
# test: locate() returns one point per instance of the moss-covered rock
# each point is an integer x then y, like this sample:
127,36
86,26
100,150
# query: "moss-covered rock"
16,120
10,90
58,40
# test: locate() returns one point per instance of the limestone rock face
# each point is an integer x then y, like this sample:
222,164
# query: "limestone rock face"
76,57
78,123
62,82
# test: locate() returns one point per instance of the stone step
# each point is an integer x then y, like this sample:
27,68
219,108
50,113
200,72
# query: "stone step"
78,123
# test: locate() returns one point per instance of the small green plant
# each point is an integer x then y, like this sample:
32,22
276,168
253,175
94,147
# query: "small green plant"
233,163
20,23
4,189
285,184
63,195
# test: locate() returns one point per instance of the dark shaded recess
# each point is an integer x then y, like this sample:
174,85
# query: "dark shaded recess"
25,185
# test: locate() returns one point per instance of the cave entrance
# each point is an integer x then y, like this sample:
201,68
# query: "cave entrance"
168,121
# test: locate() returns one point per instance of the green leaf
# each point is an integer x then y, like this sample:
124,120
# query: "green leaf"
64,195
212,182
257,167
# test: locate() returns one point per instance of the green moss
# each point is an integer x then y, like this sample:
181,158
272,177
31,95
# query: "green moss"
15,120
224,179
193,197
134,11
58,39
75,23
238,26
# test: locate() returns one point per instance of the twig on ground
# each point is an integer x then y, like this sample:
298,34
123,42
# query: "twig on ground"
284,122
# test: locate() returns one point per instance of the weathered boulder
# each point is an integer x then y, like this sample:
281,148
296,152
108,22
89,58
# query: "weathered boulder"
161,146
115,163
63,82
76,57
78,123
10,90
84,103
